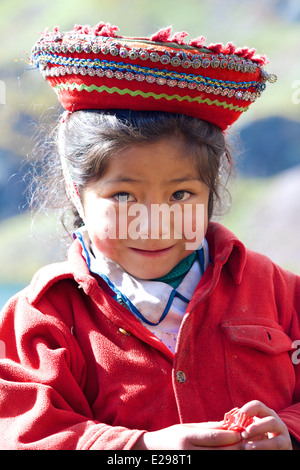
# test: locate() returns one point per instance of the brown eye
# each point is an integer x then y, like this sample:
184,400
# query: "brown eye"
123,197
180,195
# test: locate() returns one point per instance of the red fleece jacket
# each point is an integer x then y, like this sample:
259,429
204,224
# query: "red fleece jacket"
81,372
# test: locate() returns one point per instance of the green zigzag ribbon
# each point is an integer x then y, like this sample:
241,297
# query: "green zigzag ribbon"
126,91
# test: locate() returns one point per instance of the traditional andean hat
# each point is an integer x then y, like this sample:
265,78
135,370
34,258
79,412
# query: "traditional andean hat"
94,68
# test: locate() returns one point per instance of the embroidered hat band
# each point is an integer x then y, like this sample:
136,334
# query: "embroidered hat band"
93,68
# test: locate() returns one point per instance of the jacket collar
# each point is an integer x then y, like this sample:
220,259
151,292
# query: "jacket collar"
225,248
74,268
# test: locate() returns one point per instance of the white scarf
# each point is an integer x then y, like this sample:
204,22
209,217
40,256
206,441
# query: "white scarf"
158,306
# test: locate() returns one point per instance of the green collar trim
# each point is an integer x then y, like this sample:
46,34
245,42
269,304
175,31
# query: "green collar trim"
177,274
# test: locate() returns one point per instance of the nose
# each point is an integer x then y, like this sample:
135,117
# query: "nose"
142,221
154,221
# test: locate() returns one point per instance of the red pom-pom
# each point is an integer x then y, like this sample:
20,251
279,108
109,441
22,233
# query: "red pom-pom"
97,29
215,47
198,41
179,37
85,29
229,48
260,59
77,28
241,51
163,35
109,31
249,54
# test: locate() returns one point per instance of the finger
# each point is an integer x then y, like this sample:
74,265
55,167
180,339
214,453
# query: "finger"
279,442
223,439
271,427
237,445
269,424
212,437
257,408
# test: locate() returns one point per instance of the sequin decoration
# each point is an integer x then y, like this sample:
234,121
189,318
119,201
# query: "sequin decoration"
131,72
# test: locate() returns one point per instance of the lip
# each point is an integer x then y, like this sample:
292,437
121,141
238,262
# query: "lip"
152,253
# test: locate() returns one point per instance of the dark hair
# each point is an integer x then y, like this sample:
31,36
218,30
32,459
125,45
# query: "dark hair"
88,138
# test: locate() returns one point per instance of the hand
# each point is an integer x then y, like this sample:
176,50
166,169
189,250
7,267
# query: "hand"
266,433
198,436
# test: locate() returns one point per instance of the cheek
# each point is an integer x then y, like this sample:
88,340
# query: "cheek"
102,223
103,236
195,219
108,247
100,217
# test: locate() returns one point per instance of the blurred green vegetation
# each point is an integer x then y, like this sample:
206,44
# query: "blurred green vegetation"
264,215
266,25
28,243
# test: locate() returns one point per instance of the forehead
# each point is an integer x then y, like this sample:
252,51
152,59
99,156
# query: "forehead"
165,156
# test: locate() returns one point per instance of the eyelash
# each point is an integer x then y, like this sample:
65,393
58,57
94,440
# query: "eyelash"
117,196
182,191
128,195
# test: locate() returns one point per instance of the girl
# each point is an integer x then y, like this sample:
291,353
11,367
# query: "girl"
152,329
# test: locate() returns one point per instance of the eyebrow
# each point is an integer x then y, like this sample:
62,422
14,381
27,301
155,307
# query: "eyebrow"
123,179
182,180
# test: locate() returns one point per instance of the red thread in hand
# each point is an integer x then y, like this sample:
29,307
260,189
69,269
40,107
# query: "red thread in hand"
236,420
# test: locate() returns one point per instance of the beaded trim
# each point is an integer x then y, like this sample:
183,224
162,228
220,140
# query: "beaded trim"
44,54
82,87
177,59
81,43
121,71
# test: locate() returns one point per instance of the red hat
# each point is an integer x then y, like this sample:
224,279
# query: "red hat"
94,68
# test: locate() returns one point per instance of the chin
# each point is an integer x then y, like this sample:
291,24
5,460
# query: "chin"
147,275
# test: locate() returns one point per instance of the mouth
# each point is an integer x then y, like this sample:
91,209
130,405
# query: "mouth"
152,253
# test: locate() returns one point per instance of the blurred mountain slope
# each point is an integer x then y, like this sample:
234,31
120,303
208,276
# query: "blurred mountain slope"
265,216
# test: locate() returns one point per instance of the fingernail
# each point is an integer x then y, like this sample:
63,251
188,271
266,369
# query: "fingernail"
244,435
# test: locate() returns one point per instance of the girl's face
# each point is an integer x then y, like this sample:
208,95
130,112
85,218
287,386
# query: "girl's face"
148,210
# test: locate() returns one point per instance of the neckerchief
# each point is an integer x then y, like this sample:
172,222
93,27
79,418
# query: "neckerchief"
158,305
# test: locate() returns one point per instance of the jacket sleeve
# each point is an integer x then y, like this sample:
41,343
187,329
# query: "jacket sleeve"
42,379
290,320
